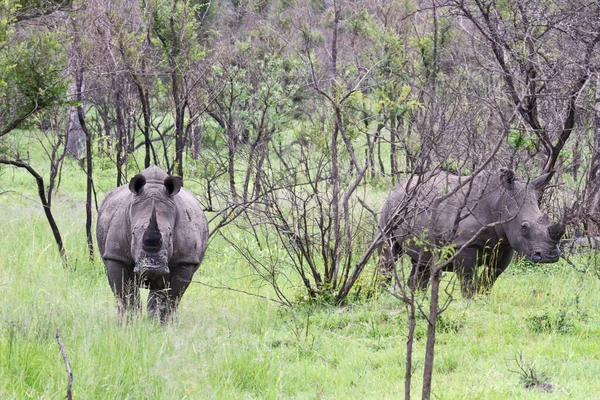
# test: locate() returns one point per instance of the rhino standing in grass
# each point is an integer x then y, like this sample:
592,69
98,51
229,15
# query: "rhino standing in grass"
151,233
493,215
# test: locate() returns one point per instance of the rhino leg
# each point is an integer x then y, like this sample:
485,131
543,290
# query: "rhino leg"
163,303
122,282
180,280
478,273
388,257
499,263
465,267
158,304
419,276
421,268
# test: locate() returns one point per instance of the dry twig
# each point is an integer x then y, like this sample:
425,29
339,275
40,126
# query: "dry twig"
69,395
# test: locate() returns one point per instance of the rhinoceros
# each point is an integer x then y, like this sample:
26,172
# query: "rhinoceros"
151,233
494,214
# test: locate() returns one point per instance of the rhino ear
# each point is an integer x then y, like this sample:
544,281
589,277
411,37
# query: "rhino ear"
507,177
173,185
541,181
137,184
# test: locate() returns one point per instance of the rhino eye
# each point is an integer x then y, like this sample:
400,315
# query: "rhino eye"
525,229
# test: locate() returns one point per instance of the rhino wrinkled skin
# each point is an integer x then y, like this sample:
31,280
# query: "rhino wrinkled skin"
498,205
151,233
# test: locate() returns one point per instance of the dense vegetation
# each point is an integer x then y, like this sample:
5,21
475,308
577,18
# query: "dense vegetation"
291,121
232,345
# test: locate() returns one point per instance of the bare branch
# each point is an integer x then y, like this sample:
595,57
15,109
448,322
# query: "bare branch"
63,352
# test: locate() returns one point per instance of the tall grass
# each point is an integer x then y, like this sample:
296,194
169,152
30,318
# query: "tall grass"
228,345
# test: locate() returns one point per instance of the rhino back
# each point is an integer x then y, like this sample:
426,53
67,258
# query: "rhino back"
414,199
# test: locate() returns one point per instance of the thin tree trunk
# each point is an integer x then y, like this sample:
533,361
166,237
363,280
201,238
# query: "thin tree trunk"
370,152
335,205
409,344
379,159
120,137
89,184
146,113
179,137
336,23
411,162
195,140
105,140
593,184
178,98
56,163
47,210
393,150
431,326
231,159
75,136
335,173
79,119
262,155
251,161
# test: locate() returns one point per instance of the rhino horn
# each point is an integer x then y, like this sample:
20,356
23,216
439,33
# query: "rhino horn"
542,181
556,231
152,239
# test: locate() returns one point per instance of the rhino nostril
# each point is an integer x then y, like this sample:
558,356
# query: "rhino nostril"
537,256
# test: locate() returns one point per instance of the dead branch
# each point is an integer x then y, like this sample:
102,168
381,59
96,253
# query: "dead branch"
241,291
69,395
42,194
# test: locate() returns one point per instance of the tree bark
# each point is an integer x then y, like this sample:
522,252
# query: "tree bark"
75,135
89,182
121,136
592,199
409,344
146,113
378,138
393,150
178,97
431,326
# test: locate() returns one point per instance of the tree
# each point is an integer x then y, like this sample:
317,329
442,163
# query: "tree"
175,26
588,210
31,80
30,74
544,55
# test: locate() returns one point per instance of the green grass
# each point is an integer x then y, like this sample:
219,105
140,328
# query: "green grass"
228,345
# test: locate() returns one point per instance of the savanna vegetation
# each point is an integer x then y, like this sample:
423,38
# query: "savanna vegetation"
292,121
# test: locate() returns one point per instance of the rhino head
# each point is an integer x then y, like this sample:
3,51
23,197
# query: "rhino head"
528,231
152,216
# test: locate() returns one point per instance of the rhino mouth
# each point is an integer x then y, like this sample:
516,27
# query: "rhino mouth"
151,269
550,257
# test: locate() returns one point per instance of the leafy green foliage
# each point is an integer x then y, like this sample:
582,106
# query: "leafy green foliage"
175,26
7,16
425,46
546,321
32,69
519,140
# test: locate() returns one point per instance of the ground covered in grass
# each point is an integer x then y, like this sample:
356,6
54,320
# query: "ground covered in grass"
536,336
